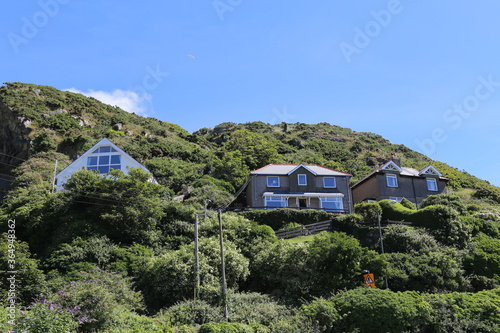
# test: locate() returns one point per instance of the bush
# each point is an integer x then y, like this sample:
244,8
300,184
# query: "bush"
442,221
449,200
370,211
429,272
408,204
43,142
277,218
465,312
255,308
405,239
192,312
96,295
488,192
225,327
370,310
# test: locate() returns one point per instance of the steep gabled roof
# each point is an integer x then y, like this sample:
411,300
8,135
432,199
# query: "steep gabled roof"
391,166
287,169
111,148
404,171
430,170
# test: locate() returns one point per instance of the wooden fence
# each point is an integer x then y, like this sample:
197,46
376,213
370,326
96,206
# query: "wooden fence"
317,227
304,230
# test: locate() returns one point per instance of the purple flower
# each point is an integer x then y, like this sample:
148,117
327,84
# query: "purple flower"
75,308
82,319
51,306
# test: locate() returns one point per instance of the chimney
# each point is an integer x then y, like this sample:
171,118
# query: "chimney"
396,159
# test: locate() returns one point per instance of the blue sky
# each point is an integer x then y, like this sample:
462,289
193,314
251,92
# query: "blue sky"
420,73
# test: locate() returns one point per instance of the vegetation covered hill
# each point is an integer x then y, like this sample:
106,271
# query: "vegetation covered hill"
116,254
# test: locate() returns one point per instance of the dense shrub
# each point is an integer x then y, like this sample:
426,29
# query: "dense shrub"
277,218
370,310
43,142
29,279
465,312
484,257
450,200
405,239
191,312
330,262
442,221
170,277
488,192
370,211
433,272
408,204
225,327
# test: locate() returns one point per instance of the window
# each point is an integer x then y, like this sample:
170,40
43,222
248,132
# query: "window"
431,184
332,204
276,202
104,163
392,181
105,149
396,199
302,178
329,182
273,181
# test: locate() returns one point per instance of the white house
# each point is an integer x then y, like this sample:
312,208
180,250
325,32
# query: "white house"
103,156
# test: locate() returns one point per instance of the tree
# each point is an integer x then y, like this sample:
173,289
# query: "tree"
170,277
29,280
256,149
330,262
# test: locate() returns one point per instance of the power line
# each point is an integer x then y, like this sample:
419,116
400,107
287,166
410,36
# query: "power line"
8,180
22,159
12,165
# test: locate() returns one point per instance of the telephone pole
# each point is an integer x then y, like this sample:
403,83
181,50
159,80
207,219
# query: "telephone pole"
197,260
223,266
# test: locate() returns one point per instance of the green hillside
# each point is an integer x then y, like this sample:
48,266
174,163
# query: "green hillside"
116,254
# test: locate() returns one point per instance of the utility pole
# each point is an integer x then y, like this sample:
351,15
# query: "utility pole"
54,178
382,248
197,260
223,266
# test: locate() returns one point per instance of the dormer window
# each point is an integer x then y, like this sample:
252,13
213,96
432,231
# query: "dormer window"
431,184
273,181
302,179
392,180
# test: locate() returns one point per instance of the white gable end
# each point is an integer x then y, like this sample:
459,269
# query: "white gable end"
391,166
103,157
430,170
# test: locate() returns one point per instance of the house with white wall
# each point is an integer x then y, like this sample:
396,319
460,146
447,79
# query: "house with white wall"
102,157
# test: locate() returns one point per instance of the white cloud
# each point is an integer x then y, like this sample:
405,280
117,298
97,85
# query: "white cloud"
128,100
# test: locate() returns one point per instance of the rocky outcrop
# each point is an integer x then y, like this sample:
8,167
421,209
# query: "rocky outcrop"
14,144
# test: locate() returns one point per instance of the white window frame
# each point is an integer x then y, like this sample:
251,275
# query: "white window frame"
334,182
433,182
304,177
269,184
104,162
338,200
398,199
390,176
283,201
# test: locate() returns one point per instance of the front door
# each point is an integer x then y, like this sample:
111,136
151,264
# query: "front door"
303,203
